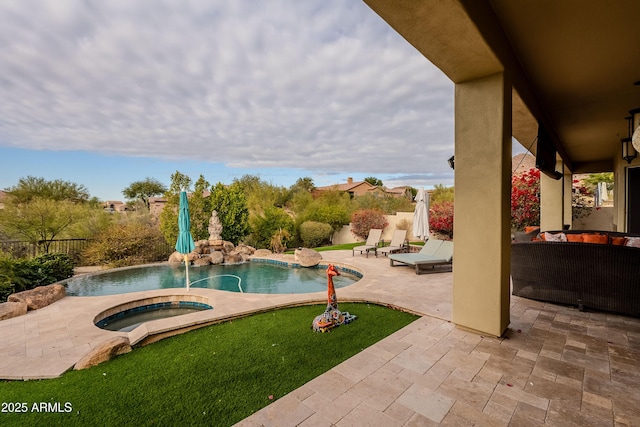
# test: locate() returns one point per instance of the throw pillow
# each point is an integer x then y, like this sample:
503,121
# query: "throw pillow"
602,239
574,238
618,241
633,242
560,237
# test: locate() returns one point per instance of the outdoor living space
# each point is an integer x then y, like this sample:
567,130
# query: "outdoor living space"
553,365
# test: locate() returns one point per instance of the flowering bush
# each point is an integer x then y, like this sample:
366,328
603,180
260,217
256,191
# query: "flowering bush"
525,199
364,220
441,218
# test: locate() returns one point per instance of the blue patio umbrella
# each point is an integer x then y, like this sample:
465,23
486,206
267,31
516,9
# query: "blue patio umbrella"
185,244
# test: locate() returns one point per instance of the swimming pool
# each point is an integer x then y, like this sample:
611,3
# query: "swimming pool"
255,277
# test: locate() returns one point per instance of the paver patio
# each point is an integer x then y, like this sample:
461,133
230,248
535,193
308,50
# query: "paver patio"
555,365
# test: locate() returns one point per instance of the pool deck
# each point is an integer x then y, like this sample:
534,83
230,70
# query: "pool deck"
555,365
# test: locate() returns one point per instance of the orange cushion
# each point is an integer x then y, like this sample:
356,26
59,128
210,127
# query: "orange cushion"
529,229
618,241
602,239
574,238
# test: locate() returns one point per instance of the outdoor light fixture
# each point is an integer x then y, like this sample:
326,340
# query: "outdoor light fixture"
629,151
635,128
450,161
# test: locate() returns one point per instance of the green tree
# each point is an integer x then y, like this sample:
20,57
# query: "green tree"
303,184
373,181
260,194
441,193
40,220
169,214
200,209
143,190
231,205
30,188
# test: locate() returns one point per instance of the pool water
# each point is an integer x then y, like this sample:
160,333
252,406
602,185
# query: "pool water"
256,277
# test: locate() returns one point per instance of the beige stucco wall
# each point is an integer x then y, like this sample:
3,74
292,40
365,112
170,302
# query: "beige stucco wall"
598,219
345,236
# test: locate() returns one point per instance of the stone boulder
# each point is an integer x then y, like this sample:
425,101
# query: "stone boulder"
216,257
262,253
176,257
245,249
39,297
307,257
233,259
216,244
228,247
105,351
12,309
201,262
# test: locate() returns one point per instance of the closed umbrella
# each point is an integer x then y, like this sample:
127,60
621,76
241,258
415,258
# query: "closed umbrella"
185,244
421,215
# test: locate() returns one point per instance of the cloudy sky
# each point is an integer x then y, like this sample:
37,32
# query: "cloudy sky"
105,93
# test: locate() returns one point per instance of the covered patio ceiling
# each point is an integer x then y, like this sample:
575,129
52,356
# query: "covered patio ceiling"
573,63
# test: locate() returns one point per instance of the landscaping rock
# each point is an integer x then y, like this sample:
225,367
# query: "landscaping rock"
307,257
201,262
106,351
262,252
245,249
176,257
233,259
216,257
228,247
39,297
12,309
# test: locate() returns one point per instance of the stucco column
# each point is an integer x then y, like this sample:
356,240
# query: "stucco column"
482,205
551,202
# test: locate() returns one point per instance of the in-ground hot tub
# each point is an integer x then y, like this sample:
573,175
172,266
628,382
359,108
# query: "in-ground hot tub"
128,316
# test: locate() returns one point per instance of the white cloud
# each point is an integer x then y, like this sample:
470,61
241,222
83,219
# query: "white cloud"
323,86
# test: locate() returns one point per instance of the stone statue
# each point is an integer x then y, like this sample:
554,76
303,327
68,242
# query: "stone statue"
215,228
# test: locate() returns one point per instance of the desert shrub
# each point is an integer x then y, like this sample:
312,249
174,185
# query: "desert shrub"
314,234
266,225
364,220
441,219
17,275
279,241
404,224
126,244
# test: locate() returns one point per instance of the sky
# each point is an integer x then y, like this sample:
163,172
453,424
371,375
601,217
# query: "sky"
106,93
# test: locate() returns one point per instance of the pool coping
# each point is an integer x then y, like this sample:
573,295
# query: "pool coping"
46,343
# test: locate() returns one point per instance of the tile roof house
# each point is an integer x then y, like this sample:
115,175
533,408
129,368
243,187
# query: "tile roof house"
360,188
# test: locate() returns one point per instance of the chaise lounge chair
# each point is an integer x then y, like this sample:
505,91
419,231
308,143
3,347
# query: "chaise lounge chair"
373,240
434,253
397,243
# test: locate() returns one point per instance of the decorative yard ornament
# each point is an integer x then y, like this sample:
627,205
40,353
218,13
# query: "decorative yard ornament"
331,317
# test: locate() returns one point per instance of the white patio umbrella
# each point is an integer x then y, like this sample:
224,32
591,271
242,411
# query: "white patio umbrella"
421,215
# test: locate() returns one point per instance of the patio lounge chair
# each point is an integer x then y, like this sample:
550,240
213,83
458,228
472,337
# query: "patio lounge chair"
373,240
427,257
397,243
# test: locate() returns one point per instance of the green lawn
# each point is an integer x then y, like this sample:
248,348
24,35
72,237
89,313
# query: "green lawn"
215,376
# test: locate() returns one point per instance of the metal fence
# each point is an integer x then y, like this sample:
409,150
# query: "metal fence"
71,247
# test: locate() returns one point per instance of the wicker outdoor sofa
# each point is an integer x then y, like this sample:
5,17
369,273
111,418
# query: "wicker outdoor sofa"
587,275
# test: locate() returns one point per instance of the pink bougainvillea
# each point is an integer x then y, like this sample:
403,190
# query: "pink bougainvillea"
525,199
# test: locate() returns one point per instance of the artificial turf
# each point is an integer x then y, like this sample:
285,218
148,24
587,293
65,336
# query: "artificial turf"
213,376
